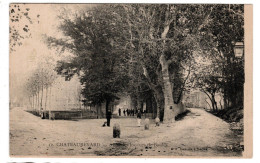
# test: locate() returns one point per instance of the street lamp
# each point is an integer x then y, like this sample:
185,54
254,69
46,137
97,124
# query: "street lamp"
239,49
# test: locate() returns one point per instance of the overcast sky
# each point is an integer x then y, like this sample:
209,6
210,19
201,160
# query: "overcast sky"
27,57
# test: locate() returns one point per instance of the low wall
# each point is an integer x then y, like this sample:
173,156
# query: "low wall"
88,114
34,112
58,114
67,115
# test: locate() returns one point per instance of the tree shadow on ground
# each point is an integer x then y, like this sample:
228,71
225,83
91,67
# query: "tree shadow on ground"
182,115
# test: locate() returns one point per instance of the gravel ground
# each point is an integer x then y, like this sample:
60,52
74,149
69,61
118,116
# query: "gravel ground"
197,134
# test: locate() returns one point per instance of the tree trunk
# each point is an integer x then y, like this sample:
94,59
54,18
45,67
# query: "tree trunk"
154,107
214,102
80,101
212,99
32,102
220,103
221,107
107,105
98,106
46,99
139,104
213,105
225,102
35,105
50,105
41,98
169,115
208,104
158,95
38,99
157,107
133,103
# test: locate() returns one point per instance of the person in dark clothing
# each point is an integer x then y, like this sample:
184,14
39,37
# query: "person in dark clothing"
119,112
108,117
124,112
127,112
139,116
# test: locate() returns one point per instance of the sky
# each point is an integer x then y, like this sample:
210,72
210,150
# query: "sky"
26,56
30,55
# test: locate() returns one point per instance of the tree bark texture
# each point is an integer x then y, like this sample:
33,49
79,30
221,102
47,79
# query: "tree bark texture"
169,106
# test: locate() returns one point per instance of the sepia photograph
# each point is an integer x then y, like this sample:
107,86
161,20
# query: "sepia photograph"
130,80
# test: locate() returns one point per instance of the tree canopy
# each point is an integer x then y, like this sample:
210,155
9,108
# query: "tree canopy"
137,47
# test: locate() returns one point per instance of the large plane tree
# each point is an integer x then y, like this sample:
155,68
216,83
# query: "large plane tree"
157,40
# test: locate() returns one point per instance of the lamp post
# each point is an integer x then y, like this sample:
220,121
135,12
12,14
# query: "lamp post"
239,55
239,49
239,52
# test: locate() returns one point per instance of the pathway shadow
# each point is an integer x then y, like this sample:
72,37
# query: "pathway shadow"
182,115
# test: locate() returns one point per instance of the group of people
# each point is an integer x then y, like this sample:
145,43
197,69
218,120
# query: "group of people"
126,112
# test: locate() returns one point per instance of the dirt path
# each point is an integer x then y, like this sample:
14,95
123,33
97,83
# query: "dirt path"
197,134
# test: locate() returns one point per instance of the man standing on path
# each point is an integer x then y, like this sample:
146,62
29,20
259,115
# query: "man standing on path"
139,116
119,112
108,117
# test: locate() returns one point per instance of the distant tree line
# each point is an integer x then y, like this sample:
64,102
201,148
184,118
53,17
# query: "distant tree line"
40,81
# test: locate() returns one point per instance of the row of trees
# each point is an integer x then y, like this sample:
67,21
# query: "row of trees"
146,49
40,81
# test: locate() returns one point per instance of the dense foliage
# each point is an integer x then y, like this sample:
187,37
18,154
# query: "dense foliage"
149,50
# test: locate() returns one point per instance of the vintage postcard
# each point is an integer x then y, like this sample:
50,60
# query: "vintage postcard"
131,80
